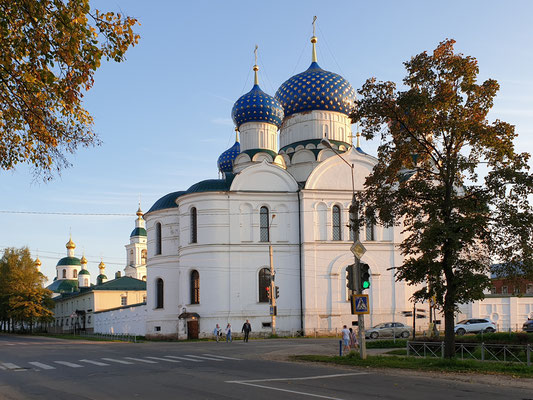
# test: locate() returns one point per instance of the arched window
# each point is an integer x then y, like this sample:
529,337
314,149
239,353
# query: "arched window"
159,293
264,283
75,273
64,274
264,231
195,287
370,230
194,225
336,222
157,238
143,256
86,282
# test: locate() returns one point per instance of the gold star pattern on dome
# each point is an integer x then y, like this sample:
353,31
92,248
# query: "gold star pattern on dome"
323,90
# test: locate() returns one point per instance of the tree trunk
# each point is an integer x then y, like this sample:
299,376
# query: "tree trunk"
449,334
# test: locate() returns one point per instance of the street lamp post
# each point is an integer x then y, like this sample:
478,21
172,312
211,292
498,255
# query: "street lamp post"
273,311
354,226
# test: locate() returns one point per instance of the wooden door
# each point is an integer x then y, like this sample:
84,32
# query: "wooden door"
192,329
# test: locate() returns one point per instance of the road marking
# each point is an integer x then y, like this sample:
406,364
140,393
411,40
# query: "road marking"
41,365
11,366
290,391
163,359
141,360
204,358
117,361
69,364
305,378
185,358
100,364
226,358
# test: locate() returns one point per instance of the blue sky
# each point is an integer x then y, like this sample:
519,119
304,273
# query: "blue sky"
164,114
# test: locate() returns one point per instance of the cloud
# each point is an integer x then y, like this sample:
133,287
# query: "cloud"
222,121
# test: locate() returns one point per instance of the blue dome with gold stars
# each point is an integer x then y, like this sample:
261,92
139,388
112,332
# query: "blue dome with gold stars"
257,106
225,161
316,89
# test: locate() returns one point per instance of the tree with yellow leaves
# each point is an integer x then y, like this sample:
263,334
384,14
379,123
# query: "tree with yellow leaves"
23,299
49,52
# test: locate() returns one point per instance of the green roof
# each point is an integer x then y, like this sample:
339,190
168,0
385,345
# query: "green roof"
124,283
167,201
64,286
253,152
69,261
138,232
212,185
84,272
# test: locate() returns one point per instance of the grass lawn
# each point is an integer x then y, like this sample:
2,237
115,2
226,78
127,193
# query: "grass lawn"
425,364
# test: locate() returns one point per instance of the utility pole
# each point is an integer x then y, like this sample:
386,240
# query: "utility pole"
354,225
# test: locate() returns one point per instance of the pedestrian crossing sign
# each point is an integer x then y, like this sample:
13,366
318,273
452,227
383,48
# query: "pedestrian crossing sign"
360,304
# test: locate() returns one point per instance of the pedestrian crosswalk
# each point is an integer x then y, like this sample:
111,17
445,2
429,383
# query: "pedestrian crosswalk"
108,362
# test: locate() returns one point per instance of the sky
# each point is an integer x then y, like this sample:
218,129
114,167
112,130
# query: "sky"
164,115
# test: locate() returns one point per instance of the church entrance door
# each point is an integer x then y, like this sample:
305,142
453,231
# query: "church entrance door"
192,329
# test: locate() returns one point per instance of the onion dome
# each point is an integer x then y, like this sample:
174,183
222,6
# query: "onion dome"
70,244
38,262
225,161
84,272
316,89
257,106
83,260
139,212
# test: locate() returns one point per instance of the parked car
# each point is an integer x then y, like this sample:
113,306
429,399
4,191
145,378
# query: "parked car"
389,329
474,325
528,326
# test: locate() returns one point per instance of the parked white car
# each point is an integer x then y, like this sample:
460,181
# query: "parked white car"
474,325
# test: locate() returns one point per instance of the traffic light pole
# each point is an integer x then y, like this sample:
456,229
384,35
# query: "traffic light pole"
272,291
358,284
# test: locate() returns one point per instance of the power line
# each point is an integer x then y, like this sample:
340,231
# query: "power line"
66,213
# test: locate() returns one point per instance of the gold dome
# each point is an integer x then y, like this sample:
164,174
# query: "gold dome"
83,260
38,262
70,244
101,265
139,212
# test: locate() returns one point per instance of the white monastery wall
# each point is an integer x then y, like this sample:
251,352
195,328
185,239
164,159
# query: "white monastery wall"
124,320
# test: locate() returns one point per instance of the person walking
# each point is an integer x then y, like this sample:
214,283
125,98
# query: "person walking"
345,339
246,328
353,340
217,332
228,333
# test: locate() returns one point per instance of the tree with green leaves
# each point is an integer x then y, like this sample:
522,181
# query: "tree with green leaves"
23,299
49,52
449,177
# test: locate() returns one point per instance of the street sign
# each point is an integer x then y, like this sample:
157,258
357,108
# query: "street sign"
273,310
360,304
358,249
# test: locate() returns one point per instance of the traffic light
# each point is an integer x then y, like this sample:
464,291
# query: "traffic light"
268,292
277,292
364,275
350,278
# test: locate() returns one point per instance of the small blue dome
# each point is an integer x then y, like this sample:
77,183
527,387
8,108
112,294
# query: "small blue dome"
257,106
225,161
316,89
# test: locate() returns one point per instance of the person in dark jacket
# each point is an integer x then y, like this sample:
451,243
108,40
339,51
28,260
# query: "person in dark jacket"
246,328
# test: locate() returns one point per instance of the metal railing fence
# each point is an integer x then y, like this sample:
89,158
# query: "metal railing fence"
474,351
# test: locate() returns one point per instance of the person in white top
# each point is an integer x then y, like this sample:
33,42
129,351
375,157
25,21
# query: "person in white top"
345,339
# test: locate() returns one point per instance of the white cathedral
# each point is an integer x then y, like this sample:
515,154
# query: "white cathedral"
208,246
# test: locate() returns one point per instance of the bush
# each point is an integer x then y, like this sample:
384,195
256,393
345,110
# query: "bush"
386,344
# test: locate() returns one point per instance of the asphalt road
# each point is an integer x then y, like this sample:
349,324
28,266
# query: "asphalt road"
45,368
